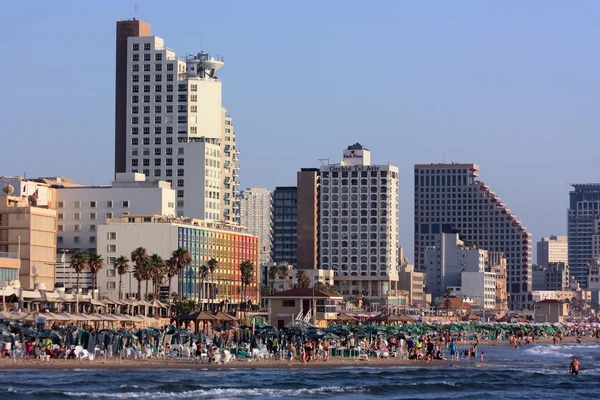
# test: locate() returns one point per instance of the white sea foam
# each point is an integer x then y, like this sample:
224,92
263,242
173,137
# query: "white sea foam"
549,351
222,393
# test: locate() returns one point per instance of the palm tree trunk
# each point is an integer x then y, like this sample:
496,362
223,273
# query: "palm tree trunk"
120,281
77,282
139,289
146,289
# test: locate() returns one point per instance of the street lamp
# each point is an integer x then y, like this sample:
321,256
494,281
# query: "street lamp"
63,259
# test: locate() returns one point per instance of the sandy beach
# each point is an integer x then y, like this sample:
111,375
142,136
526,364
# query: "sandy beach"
335,362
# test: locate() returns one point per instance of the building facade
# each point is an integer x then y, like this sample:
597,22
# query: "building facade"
583,213
81,209
414,283
256,214
450,199
9,267
358,232
285,225
554,276
29,231
229,244
447,260
497,265
308,218
170,124
552,249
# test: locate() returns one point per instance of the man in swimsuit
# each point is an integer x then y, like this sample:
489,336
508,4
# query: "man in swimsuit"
574,366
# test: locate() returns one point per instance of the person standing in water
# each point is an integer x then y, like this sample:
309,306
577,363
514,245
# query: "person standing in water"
574,366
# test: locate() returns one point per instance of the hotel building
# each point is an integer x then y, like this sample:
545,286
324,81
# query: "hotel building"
450,199
358,232
285,225
552,249
256,215
229,244
170,124
308,218
583,214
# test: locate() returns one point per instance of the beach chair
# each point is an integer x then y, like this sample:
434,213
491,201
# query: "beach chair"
186,352
362,355
226,356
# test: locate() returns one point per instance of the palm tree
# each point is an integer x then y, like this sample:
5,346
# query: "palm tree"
284,273
172,269
184,258
122,266
140,257
203,273
156,272
79,264
302,278
95,263
212,265
246,273
273,272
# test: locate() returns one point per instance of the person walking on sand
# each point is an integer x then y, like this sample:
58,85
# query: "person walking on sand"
574,366
290,354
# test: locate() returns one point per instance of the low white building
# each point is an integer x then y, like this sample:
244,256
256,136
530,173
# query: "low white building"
479,286
81,209
448,260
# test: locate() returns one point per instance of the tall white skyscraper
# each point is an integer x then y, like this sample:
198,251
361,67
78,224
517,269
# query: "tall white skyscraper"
256,214
171,124
358,229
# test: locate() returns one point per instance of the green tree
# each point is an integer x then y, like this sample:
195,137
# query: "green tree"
212,265
302,278
273,272
203,274
184,258
79,264
185,306
140,257
122,266
283,273
95,264
172,267
157,273
246,274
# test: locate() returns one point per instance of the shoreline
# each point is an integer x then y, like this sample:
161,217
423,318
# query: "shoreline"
333,363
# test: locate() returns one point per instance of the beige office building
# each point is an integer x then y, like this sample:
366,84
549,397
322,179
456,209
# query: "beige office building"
553,249
29,231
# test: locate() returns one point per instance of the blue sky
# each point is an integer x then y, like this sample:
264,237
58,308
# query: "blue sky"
512,86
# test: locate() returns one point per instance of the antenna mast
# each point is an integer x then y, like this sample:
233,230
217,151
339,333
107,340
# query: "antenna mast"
135,10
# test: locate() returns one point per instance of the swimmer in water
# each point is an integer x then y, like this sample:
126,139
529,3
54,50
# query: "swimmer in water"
574,366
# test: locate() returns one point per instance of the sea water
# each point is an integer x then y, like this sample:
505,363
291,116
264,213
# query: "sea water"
530,372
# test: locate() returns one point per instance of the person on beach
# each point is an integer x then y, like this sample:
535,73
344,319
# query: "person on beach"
453,352
290,353
481,356
574,366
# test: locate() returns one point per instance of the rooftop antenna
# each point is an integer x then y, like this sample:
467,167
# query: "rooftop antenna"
135,10
201,45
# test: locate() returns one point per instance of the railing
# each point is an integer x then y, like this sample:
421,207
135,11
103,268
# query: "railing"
4,254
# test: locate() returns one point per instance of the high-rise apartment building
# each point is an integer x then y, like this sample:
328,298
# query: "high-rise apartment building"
584,211
358,230
170,123
285,225
256,214
450,199
308,218
552,249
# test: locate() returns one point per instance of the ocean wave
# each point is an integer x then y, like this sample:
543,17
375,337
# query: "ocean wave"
548,350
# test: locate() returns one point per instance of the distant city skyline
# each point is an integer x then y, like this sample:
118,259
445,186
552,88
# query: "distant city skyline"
507,86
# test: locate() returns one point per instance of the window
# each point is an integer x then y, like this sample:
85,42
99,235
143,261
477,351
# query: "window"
169,140
92,216
180,193
108,215
60,216
158,57
146,57
157,152
180,172
134,120
76,240
157,120
146,88
93,240
170,77
76,204
135,78
169,150
157,162
158,68
157,172
136,47
194,97
157,141
158,88
111,248
109,204
77,228
146,141
134,141
168,161
146,46
180,161
169,172
170,99
169,109
194,88
135,88
111,272
60,204
146,67
125,203
157,99
169,67
289,303
157,130
146,162
92,228
76,216
135,67
134,130
111,285
61,228
134,109
180,182
157,78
